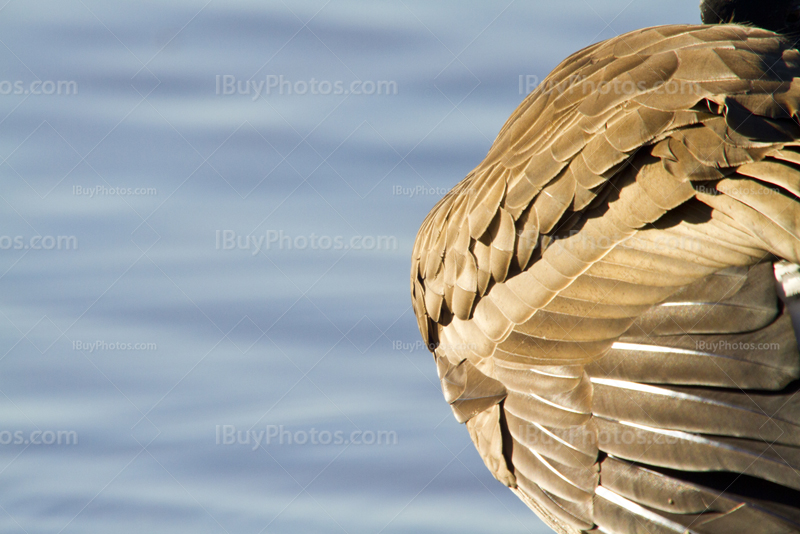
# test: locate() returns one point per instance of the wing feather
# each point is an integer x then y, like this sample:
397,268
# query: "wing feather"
599,291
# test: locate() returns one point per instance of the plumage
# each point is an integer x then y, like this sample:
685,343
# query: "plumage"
599,292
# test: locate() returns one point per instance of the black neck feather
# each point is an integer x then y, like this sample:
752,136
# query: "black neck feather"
782,16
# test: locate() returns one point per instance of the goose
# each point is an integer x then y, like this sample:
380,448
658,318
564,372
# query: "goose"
600,293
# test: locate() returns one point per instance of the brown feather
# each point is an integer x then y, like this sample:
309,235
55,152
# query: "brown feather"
627,215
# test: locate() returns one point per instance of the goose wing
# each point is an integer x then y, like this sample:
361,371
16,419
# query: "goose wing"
600,293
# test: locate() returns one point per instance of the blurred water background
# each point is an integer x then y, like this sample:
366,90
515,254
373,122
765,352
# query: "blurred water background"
181,268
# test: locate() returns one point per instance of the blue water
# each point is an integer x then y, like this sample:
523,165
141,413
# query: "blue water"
138,332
